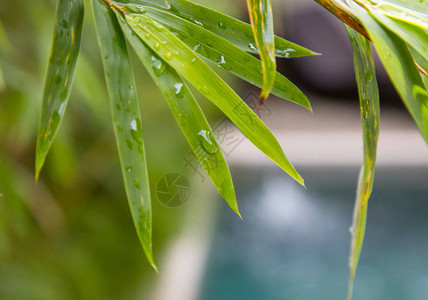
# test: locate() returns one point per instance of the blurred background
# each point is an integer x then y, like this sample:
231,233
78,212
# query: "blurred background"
70,235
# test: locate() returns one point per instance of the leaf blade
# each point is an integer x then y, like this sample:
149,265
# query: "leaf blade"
224,53
59,77
400,67
370,118
178,55
261,18
187,113
235,31
126,121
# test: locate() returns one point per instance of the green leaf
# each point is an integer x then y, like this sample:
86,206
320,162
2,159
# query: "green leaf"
193,69
406,11
126,121
222,52
235,31
400,67
62,62
370,117
414,36
261,18
188,115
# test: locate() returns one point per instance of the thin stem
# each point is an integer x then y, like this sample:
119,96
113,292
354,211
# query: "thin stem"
341,11
112,4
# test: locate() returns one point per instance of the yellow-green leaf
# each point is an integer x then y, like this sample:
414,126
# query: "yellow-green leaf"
261,18
370,112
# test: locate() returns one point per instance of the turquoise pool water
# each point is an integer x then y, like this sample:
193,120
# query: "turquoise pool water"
294,243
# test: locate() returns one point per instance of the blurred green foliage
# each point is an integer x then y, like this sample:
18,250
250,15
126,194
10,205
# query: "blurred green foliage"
70,235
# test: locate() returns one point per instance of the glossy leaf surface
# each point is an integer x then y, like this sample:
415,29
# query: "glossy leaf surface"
62,62
193,69
126,121
222,52
188,115
235,31
400,66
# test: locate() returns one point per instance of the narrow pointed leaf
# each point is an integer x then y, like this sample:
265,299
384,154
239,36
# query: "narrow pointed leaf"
414,36
188,115
405,11
222,52
193,69
126,121
399,64
235,31
62,62
370,117
261,18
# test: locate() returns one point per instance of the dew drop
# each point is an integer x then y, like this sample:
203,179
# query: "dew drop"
140,9
168,55
252,47
157,46
207,141
157,65
179,91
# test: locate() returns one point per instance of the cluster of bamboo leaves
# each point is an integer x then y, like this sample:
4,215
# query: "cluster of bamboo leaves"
174,38
170,39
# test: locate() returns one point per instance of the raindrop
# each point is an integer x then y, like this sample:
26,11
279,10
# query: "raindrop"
157,65
168,55
207,141
252,47
179,91
140,9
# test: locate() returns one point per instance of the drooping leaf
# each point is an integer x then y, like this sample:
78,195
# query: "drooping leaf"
399,64
370,117
222,52
261,18
126,121
62,62
193,69
235,31
188,115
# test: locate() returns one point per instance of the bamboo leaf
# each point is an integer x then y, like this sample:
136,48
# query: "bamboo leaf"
414,36
370,117
261,18
235,31
126,121
193,69
405,11
400,67
222,52
62,62
188,115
